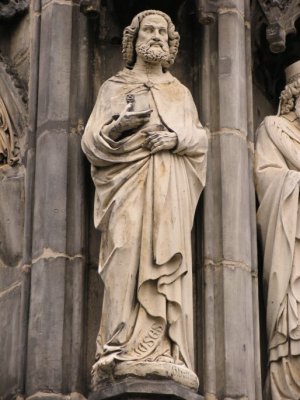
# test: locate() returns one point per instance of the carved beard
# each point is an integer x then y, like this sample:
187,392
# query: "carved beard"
154,54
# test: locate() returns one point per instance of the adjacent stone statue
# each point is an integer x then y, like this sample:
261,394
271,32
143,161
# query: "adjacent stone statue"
8,147
277,178
148,154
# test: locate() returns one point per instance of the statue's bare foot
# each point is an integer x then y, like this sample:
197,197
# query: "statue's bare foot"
165,359
105,364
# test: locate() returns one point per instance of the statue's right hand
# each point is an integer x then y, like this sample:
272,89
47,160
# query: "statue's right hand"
128,120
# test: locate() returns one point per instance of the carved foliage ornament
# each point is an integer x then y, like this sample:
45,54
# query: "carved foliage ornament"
90,8
9,8
281,16
9,152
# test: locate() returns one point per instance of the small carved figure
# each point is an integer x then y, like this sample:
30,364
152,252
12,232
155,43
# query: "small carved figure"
8,151
277,171
148,154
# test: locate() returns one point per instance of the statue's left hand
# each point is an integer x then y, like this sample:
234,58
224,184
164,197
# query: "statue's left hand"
160,140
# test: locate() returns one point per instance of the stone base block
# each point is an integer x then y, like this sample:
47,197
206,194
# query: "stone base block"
178,373
144,389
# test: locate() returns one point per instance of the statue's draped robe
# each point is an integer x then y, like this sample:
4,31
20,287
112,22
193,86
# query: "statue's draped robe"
144,207
277,182
7,140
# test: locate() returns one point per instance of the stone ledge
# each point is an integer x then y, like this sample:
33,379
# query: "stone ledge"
54,396
142,389
231,11
230,264
233,132
229,131
48,254
60,3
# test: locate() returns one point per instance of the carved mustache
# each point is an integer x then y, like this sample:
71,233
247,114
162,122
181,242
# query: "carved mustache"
152,42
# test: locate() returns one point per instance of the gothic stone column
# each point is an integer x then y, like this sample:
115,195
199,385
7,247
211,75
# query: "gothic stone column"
231,344
55,353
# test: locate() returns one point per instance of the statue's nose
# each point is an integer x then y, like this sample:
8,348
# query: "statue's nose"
156,35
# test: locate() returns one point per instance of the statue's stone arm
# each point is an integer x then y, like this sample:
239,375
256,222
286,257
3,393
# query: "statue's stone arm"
127,121
192,138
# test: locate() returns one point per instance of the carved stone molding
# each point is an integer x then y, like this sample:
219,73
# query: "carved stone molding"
9,8
281,16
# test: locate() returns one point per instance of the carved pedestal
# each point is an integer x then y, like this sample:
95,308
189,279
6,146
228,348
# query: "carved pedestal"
140,389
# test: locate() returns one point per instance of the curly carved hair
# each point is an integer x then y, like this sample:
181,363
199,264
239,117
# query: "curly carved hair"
288,96
130,34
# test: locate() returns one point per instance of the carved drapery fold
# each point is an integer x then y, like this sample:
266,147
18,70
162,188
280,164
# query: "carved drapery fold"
13,115
281,16
9,151
9,8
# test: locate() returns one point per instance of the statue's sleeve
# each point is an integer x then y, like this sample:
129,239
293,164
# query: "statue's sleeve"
95,144
270,160
192,137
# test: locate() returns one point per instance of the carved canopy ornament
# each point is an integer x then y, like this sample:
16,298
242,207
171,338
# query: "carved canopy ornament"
90,8
9,8
281,16
206,11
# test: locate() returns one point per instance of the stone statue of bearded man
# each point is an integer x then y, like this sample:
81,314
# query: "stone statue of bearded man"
148,154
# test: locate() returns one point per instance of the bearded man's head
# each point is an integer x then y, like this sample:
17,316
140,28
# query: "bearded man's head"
152,48
152,43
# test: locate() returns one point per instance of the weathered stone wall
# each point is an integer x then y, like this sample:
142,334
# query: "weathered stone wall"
262,106
14,68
